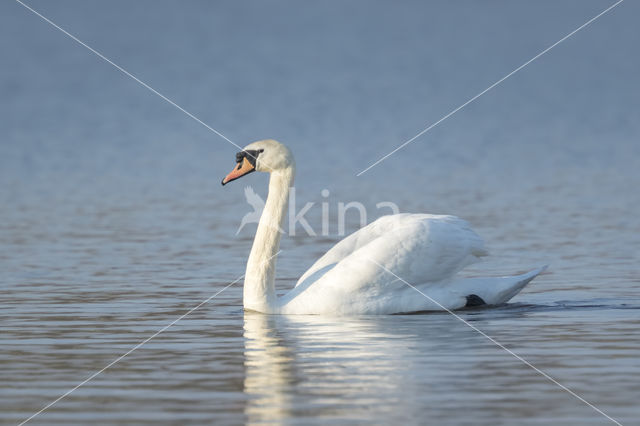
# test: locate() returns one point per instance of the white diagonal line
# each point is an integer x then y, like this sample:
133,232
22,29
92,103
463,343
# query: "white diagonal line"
137,346
491,87
112,363
500,345
127,73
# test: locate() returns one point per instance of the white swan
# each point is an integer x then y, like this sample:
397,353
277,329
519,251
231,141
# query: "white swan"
399,263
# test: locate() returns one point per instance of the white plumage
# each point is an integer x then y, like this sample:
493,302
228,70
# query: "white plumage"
398,264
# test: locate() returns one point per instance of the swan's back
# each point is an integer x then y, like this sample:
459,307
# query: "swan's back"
357,274
447,244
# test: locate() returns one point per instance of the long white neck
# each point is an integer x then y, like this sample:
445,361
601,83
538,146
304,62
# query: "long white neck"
259,281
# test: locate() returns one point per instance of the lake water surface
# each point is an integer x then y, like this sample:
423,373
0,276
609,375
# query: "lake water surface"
114,224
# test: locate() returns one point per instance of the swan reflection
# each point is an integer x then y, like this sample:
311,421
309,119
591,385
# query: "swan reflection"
342,368
268,365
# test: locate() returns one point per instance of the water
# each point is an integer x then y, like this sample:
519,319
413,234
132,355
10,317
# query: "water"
114,223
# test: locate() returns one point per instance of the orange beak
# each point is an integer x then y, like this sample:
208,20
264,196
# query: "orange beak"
243,168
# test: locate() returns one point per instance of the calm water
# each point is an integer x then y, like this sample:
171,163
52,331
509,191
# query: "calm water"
114,224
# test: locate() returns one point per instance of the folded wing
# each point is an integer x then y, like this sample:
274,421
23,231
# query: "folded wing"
418,248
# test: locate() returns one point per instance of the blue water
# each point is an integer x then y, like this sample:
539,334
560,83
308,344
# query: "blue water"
113,221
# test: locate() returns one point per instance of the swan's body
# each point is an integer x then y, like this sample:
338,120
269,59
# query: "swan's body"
397,264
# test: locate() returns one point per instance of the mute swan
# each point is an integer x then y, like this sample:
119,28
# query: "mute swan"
380,269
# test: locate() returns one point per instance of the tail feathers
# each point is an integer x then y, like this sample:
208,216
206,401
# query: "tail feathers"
498,290
513,285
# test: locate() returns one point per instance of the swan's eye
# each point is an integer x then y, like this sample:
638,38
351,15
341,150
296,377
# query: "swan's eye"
252,155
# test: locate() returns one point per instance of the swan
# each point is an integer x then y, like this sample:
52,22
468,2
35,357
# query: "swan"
399,263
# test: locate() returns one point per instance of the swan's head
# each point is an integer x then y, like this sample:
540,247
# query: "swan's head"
263,156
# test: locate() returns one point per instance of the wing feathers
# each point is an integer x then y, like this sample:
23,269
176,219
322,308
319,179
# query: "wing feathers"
419,248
